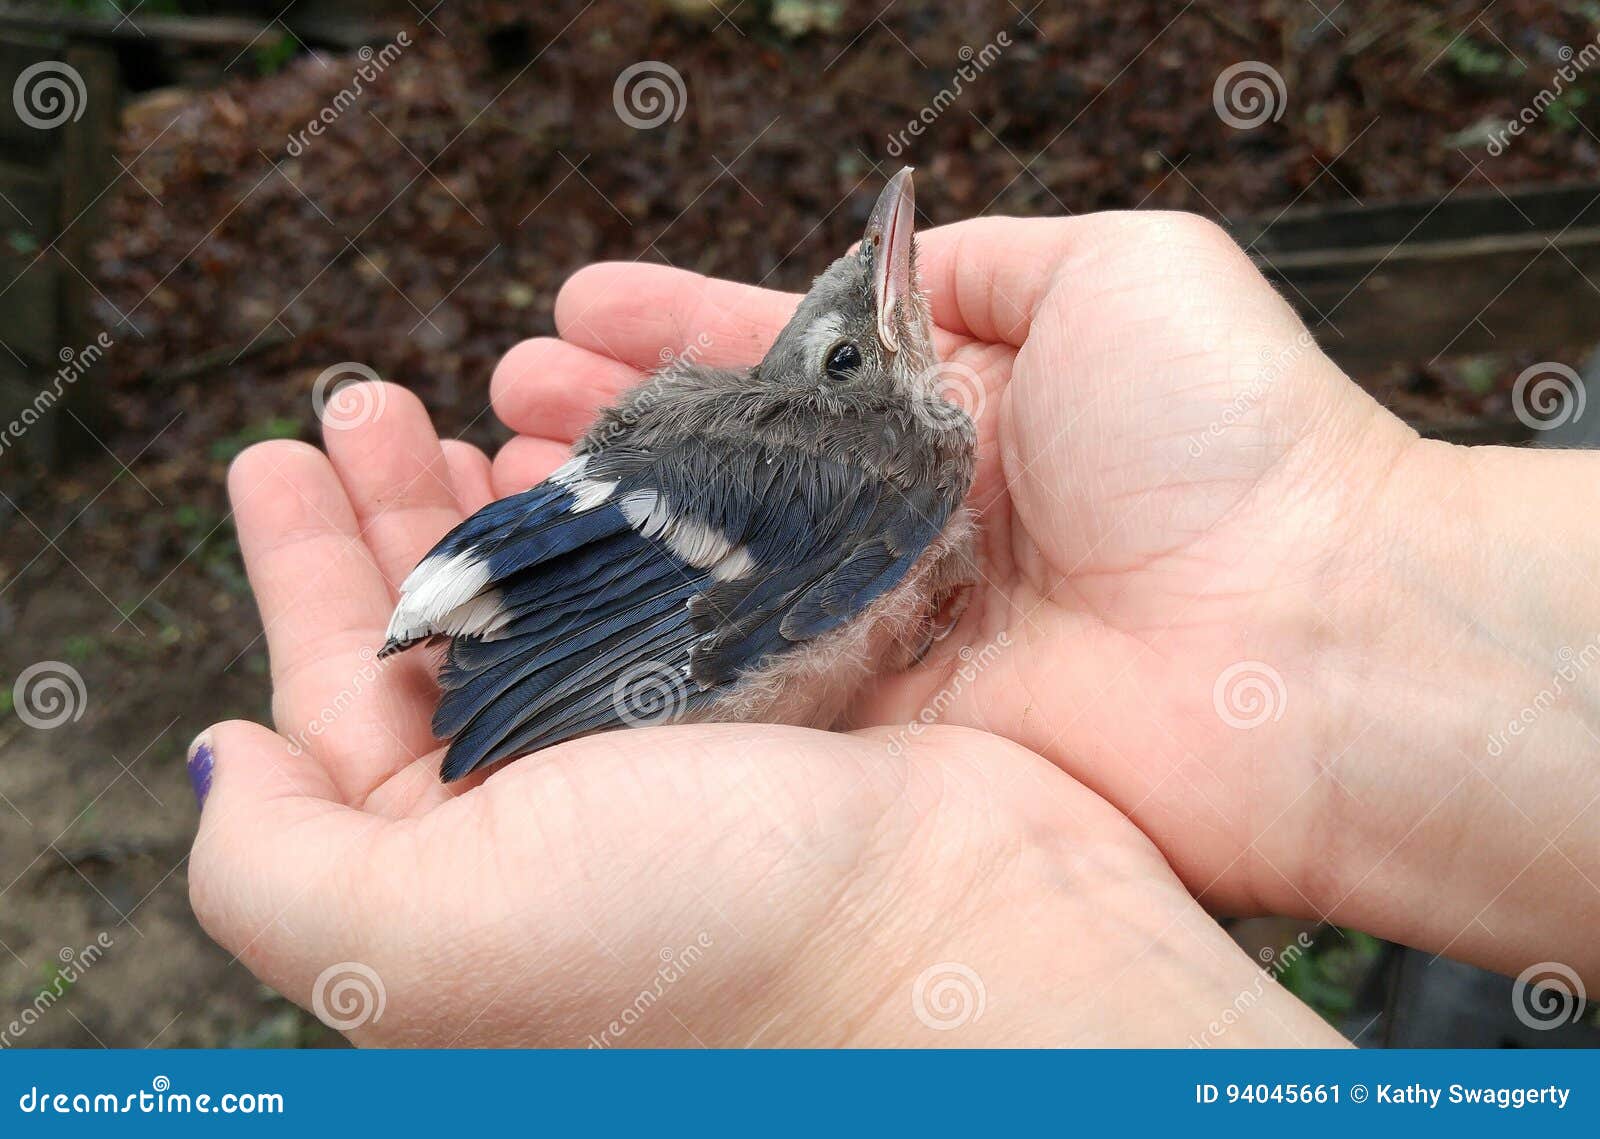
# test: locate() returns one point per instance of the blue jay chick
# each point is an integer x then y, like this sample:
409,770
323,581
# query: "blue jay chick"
723,545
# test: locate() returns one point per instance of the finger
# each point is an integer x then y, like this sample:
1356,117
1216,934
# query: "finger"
551,389
990,278
394,474
632,311
324,606
273,848
469,475
265,774
643,315
985,279
525,461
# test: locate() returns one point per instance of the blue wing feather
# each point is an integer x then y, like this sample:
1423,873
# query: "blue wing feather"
543,661
509,727
584,596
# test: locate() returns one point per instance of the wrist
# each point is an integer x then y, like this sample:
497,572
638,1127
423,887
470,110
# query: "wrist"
1464,700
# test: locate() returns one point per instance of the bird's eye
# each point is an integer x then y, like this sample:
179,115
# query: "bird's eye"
843,359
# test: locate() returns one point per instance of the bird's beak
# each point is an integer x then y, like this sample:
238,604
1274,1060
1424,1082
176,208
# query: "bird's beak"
886,247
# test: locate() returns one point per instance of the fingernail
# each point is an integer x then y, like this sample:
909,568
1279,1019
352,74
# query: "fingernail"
201,761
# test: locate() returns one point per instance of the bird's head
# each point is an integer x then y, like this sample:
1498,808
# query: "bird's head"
863,330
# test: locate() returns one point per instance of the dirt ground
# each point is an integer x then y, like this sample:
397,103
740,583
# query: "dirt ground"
428,229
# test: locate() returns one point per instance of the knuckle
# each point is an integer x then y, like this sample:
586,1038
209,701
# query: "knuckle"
1193,231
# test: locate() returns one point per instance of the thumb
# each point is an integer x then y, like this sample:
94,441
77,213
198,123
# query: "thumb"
274,845
264,772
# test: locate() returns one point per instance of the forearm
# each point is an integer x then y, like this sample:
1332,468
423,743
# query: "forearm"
1466,697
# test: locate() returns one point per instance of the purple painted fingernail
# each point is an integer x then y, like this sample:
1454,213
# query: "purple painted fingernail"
201,761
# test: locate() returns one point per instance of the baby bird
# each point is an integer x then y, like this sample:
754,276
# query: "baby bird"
723,545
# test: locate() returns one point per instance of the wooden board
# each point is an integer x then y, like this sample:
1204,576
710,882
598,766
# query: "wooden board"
20,143
1414,281
54,177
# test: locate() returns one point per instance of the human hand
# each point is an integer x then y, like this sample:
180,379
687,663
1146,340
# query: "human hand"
1122,573
715,884
1217,578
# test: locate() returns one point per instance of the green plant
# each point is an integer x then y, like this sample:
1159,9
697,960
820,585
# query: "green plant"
270,55
1475,61
1329,975
226,449
1562,110
115,11
80,647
